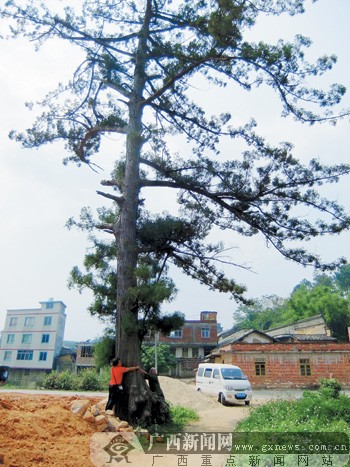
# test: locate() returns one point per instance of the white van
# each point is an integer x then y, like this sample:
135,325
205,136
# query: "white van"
226,382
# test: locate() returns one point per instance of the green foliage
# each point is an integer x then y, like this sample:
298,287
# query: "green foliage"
342,278
165,359
322,299
330,387
104,377
64,381
85,380
104,349
138,64
88,380
265,313
254,194
324,295
311,413
181,416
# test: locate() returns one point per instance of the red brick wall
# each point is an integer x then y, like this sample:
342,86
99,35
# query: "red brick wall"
192,333
282,363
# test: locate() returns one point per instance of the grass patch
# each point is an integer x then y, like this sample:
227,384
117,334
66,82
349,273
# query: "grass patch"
322,414
182,416
312,413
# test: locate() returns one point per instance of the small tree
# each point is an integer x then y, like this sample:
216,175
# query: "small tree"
165,359
104,349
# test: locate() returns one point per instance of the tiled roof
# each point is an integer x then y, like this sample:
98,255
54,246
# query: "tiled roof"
307,337
239,335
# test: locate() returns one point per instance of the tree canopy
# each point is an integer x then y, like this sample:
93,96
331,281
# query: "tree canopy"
324,295
140,61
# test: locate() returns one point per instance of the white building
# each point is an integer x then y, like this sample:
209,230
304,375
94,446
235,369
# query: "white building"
33,338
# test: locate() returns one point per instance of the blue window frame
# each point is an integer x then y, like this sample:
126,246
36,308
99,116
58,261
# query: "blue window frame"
25,355
45,338
42,356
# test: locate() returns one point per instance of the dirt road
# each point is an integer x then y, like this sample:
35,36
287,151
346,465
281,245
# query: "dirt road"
213,415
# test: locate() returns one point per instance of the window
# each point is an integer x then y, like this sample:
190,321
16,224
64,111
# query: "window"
7,355
87,351
25,355
305,368
200,371
10,339
216,374
205,332
260,368
195,352
26,339
207,373
47,320
42,356
232,373
29,321
49,305
45,338
177,333
13,321
185,352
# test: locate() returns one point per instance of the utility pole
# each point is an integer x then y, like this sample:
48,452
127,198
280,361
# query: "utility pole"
156,339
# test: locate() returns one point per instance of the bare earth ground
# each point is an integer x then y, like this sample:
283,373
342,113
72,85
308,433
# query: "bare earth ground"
39,429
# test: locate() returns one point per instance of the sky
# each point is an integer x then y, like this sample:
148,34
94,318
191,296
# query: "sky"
38,194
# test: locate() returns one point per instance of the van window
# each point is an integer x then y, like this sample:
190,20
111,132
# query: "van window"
200,371
232,373
207,373
216,374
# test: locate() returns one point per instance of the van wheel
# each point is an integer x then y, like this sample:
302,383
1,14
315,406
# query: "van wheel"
247,402
222,399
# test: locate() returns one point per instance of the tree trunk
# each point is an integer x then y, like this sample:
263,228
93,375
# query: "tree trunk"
141,406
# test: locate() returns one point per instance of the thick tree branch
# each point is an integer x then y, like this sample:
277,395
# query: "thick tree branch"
118,199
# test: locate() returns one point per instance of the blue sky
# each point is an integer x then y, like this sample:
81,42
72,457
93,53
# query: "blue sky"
38,194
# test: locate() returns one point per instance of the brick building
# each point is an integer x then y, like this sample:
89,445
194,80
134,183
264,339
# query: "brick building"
190,344
289,365
293,356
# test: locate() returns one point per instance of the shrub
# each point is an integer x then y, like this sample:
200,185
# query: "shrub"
64,381
51,380
330,387
88,380
312,413
104,377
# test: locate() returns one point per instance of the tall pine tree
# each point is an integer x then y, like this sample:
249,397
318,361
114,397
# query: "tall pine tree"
140,60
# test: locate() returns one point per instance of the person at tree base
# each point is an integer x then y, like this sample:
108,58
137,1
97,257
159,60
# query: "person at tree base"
152,377
116,393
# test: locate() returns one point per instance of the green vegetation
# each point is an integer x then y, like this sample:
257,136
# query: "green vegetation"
179,418
165,359
86,380
325,410
104,349
327,294
330,388
133,80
